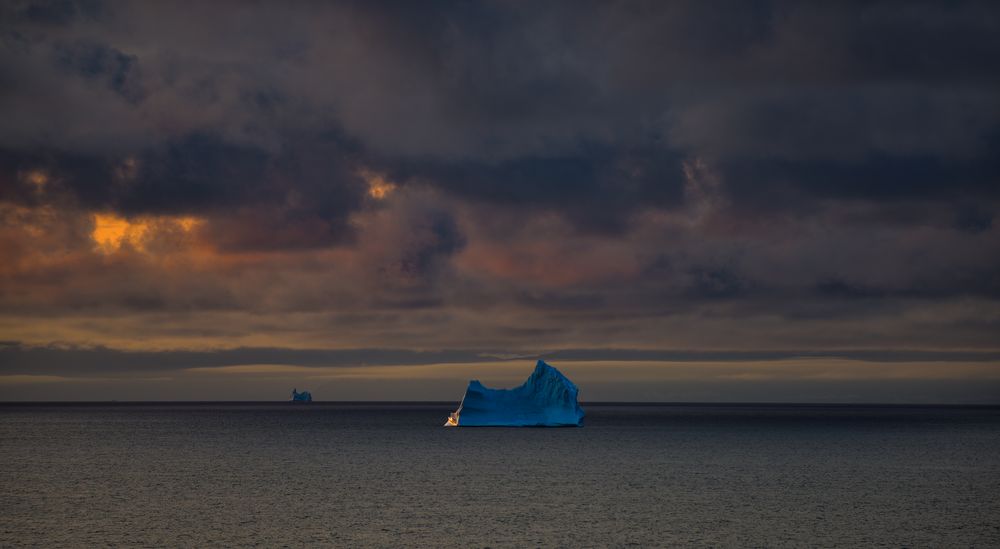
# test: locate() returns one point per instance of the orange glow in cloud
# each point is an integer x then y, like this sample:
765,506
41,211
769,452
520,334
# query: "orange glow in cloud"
38,178
111,232
378,186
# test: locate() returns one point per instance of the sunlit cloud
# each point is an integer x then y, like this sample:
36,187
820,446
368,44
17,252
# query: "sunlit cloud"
112,232
37,178
180,202
379,187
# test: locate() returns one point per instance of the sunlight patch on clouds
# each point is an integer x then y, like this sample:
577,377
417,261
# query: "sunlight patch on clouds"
37,178
112,232
379,187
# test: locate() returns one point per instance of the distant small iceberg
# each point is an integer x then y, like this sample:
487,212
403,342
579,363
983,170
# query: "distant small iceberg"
546,399
304,396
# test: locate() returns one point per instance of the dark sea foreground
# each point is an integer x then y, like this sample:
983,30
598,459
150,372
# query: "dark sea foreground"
389,475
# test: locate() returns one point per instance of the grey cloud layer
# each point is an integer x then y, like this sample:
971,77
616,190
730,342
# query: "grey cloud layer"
613,167
16,359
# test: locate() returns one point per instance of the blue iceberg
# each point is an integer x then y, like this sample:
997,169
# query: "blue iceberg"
304,396
546,399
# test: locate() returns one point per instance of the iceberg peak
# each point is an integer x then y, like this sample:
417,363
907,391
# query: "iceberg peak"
546,399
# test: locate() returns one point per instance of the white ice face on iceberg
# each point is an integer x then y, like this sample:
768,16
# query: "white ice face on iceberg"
546,399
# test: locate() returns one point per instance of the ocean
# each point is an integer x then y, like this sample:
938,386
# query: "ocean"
389,475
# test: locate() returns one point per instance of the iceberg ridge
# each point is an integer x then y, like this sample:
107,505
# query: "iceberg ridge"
546,399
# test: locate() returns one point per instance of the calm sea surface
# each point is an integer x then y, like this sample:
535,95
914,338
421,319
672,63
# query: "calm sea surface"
389,475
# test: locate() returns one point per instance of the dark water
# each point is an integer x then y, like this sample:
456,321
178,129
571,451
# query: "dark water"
390,475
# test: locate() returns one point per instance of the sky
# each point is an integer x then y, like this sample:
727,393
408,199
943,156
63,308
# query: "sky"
707,201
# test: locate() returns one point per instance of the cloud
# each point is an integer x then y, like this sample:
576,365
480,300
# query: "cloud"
709,175
602,376
96,61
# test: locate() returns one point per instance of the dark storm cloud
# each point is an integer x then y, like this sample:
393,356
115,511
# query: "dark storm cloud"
596,187
586,110
55,12
441,238
877,178
973,219
604,166
195,172
97,61
186,175
312,186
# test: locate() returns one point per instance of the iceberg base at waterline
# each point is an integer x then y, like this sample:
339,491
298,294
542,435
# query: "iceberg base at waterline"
304,396
546,399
